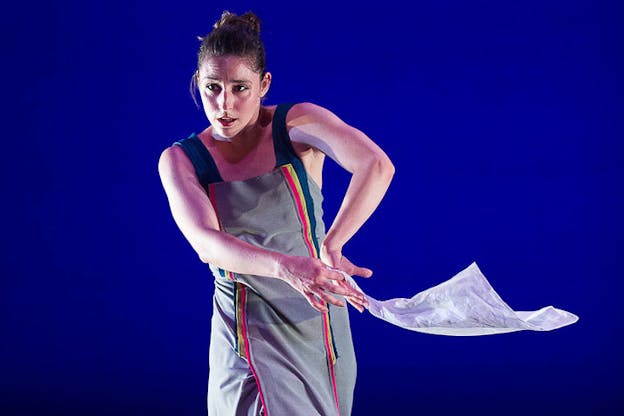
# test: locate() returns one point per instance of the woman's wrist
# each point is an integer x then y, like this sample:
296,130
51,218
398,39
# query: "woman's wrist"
282,269
330,244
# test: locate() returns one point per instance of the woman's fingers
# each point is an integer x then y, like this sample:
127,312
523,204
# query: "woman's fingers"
338,260
344,289
356,304
319,295
321,284
333,274
337,283
354,270
331,299
315,302
351,291
355,298
362,272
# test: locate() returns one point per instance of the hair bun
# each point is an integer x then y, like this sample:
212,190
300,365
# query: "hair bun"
248,20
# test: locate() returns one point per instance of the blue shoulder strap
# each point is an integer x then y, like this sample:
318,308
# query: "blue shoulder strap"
204,164
284,151
285,154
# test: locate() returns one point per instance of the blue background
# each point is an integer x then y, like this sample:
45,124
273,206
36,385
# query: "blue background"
504,122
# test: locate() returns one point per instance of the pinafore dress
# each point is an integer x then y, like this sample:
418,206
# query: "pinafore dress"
270,352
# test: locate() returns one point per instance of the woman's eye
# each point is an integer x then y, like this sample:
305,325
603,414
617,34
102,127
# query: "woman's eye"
212,87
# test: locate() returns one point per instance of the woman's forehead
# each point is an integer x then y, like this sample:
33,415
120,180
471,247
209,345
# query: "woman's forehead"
228,66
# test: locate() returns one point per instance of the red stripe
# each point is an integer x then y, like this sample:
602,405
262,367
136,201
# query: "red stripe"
299,203
306,234
243,297
330,360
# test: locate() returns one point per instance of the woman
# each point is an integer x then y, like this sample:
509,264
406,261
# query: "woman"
246,193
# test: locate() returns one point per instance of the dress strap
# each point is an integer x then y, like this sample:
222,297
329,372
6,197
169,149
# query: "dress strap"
284,151
204,164
294,171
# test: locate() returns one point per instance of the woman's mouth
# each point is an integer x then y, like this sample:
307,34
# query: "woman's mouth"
226,121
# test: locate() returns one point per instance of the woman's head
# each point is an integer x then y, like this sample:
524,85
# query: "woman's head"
237,36
231,73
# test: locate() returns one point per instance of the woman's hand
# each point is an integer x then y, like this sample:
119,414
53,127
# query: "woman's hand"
335,259
318,283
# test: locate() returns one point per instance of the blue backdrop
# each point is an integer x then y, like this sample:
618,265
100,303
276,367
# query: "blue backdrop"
504,122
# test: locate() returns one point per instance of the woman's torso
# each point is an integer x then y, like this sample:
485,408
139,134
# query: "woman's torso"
263,188
265,196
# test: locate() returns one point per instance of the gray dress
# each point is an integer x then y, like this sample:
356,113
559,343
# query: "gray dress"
270,352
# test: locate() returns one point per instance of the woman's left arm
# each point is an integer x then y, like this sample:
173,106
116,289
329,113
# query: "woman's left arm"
370,167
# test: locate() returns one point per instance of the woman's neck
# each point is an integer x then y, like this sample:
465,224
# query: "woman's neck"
236,148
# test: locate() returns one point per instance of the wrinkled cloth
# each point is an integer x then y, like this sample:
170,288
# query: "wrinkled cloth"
465,305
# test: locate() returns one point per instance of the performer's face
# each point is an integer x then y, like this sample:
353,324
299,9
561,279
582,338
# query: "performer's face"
231,92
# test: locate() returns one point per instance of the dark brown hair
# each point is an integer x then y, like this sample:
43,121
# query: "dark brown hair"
232,35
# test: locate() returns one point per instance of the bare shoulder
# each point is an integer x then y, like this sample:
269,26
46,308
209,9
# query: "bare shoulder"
173,160
307,112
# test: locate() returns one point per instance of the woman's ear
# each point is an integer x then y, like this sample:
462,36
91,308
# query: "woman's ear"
265,83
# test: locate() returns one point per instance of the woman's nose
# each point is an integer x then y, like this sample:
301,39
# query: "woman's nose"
225,100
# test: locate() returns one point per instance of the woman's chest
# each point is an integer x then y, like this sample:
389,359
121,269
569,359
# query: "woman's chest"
245,164
242,164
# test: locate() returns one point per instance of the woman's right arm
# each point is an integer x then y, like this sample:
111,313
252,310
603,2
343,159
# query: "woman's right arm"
195,216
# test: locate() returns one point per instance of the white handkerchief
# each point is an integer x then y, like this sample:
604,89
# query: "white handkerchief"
464,305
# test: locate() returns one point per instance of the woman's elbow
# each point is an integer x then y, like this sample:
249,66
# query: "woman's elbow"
205,257
208,253
206,248
382,167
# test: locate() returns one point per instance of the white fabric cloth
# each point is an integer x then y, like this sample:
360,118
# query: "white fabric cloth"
464,305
